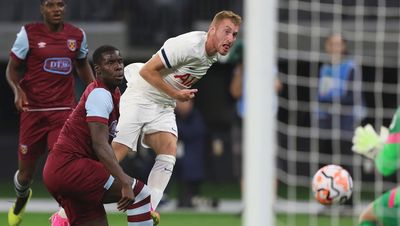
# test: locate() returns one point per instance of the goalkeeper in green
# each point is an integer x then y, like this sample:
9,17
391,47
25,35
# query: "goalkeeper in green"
384,149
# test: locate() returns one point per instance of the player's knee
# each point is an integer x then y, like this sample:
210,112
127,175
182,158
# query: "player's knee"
162,143
168,148
172,149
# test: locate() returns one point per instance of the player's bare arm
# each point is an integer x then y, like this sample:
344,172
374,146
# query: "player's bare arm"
99,134
151,73
84,70
13,72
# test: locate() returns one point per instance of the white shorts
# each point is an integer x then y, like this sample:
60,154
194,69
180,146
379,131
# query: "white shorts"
138,118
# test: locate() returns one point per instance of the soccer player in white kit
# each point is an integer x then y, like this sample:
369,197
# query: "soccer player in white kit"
147,105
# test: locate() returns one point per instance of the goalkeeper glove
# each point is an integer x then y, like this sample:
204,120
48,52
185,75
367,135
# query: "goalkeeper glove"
367,142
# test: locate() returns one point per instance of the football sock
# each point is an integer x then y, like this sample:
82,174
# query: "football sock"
159,177
368,223
61,213
138,213
22,191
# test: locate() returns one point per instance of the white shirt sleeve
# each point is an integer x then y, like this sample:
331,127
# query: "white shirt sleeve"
175,51
84,50
21,44
132,70
99,103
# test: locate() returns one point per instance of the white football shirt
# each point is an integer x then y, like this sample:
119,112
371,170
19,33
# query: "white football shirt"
185,60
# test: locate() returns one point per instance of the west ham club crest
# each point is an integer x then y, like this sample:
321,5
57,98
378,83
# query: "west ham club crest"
23,149
71,43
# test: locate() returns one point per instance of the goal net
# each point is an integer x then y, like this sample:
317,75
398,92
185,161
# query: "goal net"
305,143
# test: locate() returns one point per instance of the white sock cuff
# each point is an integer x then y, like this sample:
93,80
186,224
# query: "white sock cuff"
21,190
62,213
16,182
166,158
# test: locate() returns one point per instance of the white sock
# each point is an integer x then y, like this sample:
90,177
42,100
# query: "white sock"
62,213
138,213
22,191
159,177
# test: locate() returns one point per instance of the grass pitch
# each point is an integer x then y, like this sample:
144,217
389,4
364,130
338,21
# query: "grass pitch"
194,219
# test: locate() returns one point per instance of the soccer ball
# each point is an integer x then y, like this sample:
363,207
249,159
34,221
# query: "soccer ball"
332,185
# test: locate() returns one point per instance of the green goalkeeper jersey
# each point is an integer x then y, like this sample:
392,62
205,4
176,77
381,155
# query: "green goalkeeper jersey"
388,159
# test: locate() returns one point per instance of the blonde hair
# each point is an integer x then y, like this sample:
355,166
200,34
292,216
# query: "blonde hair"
226,14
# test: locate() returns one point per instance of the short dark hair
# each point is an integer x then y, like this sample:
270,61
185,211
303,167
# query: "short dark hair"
43,1
97,54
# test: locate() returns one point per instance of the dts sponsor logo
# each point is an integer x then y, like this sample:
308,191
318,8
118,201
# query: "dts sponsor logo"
62,66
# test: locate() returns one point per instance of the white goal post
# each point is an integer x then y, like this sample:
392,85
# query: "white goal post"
259,122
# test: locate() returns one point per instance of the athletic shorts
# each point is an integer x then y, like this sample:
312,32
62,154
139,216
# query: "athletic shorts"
138,118
78,186
387,208
39,130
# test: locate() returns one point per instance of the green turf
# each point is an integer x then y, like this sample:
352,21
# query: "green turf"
167,219
198,219
303,220
229,190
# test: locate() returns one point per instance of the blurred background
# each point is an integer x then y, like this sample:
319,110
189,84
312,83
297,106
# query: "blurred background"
370,30
138,28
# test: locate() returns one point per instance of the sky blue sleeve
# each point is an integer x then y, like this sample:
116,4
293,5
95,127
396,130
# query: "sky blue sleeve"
84,50
21,44
99,103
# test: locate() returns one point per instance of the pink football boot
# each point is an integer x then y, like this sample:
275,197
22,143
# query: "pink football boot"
57,220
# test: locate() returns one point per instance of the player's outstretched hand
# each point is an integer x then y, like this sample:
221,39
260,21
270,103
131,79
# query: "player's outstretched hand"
186,94
127,198
367,142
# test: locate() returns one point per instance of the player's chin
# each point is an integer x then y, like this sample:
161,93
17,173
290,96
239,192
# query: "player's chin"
118,81
56,20
223,51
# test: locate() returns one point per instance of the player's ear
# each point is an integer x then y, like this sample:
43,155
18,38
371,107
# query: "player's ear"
97,69
41,9
211,29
